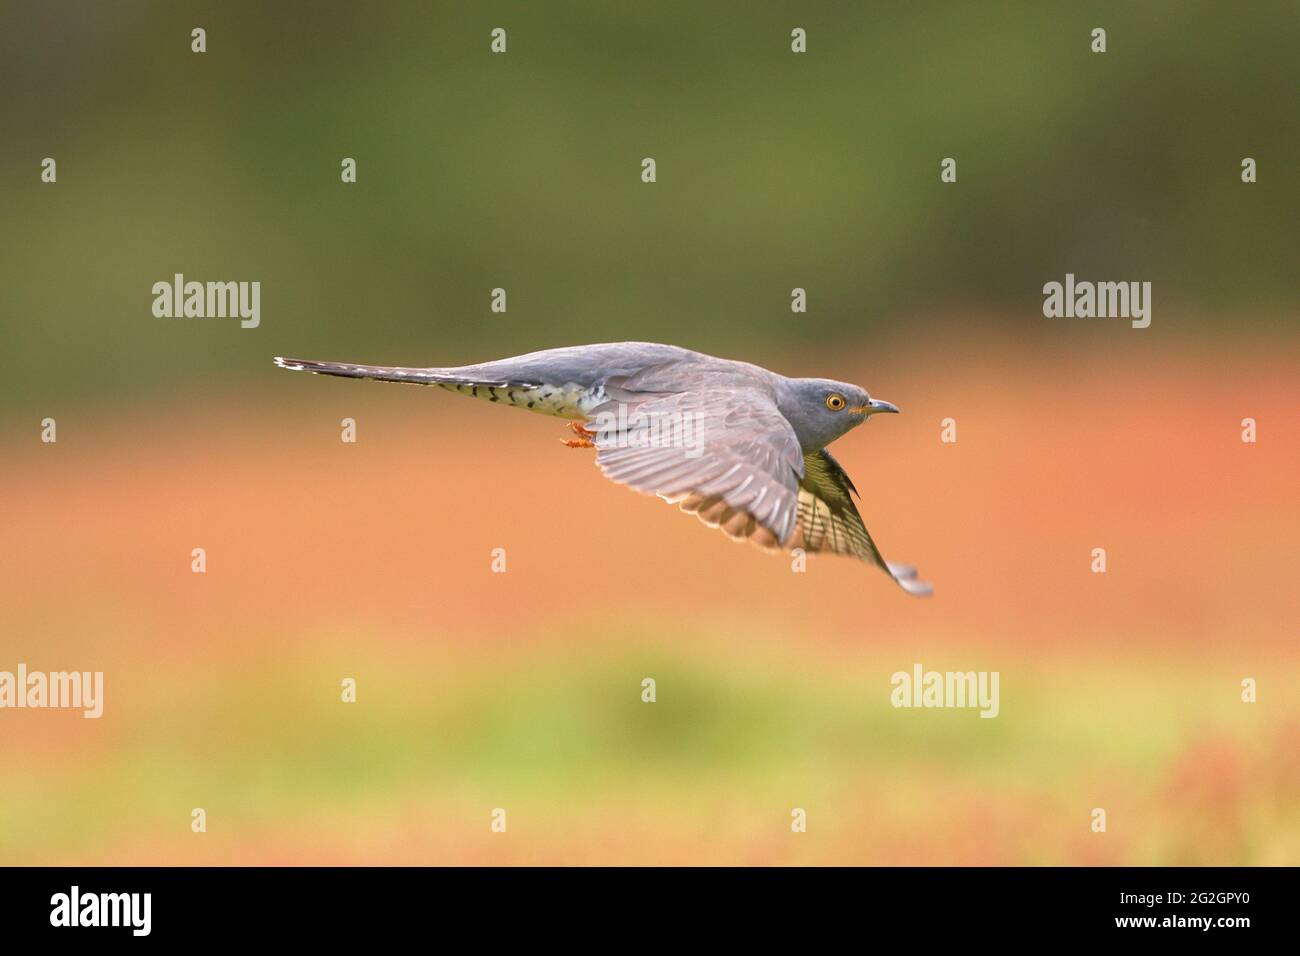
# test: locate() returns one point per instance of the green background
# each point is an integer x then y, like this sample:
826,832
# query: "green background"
522,171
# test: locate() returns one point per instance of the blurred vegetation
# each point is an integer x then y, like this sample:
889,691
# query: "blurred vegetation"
708,773
522,171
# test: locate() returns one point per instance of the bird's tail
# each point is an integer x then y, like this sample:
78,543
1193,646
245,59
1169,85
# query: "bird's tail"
383,373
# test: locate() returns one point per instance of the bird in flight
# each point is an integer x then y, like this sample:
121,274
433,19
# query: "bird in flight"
741,447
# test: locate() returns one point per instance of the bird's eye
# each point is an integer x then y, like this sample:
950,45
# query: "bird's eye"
834,402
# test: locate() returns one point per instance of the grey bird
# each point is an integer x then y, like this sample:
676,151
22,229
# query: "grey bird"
739,446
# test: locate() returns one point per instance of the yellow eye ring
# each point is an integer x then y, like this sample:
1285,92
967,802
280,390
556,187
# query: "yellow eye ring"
835,402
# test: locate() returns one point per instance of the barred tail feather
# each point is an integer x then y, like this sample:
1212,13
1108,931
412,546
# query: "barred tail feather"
382,373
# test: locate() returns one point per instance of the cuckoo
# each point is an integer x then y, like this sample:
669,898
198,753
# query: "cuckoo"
740,447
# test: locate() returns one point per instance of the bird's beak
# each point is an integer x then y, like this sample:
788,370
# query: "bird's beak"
875,406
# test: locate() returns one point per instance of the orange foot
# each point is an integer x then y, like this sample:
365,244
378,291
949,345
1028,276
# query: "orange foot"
584,439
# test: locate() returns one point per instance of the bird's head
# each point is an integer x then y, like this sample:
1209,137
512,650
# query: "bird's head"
821,410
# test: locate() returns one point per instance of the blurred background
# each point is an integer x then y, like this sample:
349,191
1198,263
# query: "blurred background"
522,690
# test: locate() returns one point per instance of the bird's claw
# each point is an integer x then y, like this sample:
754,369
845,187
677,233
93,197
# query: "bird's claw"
584,439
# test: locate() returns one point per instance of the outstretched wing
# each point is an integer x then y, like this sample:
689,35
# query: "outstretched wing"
725,454
829,521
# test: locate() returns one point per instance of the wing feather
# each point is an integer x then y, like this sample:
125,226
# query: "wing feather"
829,521
725,454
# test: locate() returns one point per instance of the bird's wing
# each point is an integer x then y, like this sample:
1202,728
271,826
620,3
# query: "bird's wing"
829,521
725,454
